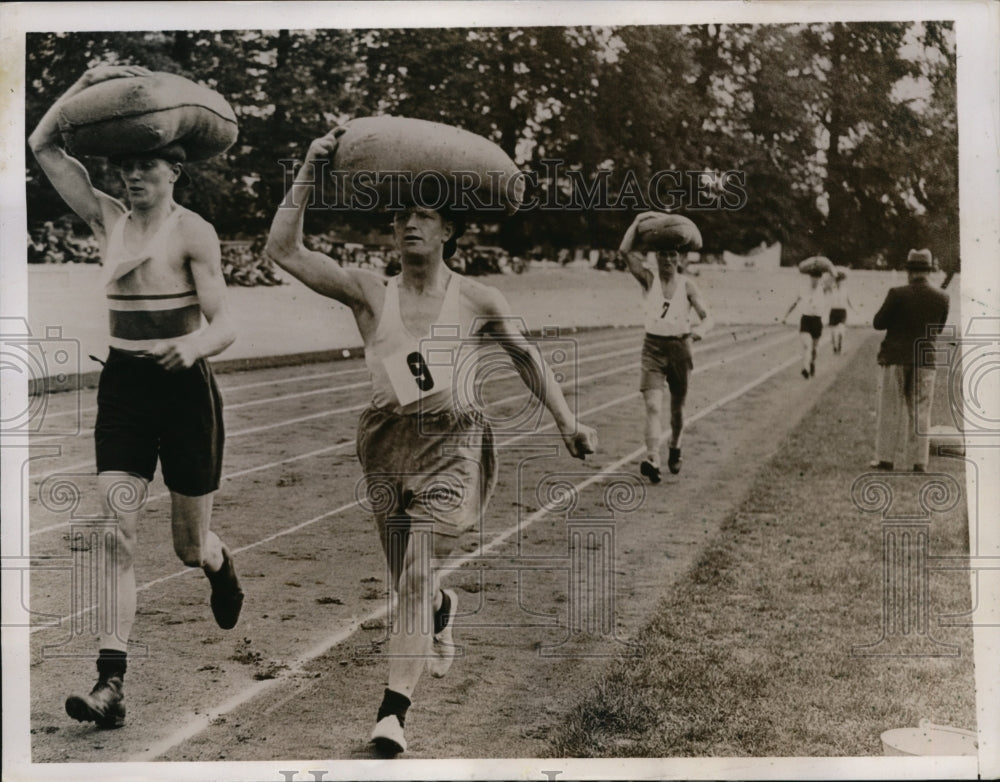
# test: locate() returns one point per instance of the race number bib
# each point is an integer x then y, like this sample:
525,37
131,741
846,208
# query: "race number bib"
418,372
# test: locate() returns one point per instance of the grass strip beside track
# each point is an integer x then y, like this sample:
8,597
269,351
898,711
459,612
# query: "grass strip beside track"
752,652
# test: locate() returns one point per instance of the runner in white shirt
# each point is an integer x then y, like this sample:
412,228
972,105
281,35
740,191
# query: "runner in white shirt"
668,301
813,304
839,302
425,446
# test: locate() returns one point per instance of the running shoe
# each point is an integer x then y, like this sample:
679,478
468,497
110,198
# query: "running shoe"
674,461
443,651
388,736
651,471
105,705
227,596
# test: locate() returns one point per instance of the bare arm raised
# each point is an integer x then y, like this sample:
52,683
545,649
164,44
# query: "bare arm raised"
353,287
66,173
580,439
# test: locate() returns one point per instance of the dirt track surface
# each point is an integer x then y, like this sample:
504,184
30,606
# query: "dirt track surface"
302,674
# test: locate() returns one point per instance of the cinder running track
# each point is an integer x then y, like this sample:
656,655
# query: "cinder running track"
570,560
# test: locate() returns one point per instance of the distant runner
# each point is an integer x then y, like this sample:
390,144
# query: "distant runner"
839,302
668,299
813,304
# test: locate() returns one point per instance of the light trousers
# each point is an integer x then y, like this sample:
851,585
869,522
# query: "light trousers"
905,394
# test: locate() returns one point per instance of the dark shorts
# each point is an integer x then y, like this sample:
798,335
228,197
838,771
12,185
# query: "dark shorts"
811,325
145,413
666,359
436,470
838,315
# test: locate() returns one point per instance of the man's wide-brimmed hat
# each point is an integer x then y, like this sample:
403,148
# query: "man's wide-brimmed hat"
920,261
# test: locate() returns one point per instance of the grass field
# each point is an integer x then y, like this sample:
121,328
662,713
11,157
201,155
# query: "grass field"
750,654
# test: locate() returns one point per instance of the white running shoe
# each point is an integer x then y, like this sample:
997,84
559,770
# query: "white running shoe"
443,651
388,736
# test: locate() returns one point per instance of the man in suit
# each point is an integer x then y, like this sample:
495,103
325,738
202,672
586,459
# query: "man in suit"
909,313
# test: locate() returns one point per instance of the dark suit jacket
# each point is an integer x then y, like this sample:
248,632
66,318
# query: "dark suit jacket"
905,316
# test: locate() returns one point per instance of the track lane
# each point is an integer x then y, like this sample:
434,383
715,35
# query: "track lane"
299,571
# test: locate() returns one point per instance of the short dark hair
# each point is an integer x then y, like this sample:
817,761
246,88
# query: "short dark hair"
457,220
171,153
458,224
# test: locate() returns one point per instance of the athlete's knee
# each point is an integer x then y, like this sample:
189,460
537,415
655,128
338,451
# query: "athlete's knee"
189,553
122,494
122,548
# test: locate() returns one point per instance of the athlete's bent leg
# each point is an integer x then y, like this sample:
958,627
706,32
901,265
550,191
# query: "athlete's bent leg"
190,521
806,343
653,400
198,546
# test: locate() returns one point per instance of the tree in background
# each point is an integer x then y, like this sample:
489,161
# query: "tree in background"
844,135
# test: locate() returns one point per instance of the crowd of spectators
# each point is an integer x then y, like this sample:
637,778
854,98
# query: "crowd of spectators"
57,243
244,262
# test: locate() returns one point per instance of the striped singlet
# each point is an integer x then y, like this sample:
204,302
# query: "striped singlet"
138,321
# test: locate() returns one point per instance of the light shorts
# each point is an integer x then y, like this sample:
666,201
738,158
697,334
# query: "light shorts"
440,469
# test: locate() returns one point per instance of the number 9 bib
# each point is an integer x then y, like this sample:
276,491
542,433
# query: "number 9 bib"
418,372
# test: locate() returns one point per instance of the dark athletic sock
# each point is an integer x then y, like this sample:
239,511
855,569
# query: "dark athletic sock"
393,703
442,614
111,662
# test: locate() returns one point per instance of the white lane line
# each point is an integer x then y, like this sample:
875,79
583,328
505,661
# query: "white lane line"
275,399
297,395
233,388
341,446
226,389
195,723
509,441
89,463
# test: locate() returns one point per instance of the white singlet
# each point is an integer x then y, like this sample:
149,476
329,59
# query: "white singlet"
411,374
665,319
813,300
838,297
